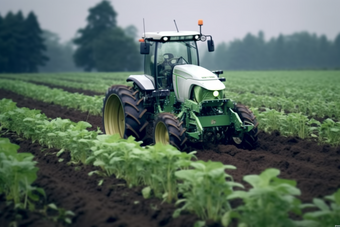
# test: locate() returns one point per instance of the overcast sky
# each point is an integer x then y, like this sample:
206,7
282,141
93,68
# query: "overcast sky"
225,20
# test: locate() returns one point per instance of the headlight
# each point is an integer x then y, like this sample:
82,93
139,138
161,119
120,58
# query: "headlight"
215,93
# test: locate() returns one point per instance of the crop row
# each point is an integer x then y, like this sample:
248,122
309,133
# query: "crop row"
313,107
206,188
306,85
297,124
76,78
84,103
90,84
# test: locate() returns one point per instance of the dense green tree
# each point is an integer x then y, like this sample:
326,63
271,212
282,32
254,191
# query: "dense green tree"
101,18
115,52
35,46
3,59
21,43
102,45
12,42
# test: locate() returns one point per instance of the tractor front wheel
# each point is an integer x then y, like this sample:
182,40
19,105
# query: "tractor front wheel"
168,130
247,140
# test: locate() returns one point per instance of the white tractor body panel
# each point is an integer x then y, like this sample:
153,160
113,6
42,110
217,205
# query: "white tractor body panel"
143,81
185,77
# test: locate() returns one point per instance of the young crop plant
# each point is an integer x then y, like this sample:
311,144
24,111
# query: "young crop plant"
118,156
270,119
267,203
17,173
206,187
63,216
160,166
328,213
329,132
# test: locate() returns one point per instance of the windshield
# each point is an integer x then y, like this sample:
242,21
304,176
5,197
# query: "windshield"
184,52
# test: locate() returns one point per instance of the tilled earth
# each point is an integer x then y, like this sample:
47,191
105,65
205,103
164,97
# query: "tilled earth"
316,168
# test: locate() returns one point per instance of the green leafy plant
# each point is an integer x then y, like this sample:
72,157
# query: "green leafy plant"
329,132
17,173
205,189
328,213
159,168
267,203
63,216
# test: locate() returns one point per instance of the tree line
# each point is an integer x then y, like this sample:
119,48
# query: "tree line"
300,50
21,44
104,46
100,46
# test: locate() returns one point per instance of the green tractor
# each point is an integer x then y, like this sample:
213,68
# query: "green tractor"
176,100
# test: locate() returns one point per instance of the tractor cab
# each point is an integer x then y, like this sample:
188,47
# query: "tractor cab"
165,51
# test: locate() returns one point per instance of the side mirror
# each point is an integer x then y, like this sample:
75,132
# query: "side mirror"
211,46
144,48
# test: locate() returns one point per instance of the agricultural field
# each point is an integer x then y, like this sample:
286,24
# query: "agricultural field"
57,118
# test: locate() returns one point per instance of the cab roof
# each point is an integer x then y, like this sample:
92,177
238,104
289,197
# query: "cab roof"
169,34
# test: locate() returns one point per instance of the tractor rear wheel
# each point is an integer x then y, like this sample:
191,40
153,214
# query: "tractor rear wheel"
168,130
247,140
123,113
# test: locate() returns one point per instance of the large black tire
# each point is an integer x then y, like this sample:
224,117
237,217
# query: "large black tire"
247,140
123,113
168,130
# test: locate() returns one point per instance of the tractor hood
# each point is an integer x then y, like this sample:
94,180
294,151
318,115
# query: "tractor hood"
186,77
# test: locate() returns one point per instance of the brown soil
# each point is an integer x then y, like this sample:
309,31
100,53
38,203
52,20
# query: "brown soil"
315,168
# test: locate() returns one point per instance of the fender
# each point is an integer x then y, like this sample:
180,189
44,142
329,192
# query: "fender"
142,81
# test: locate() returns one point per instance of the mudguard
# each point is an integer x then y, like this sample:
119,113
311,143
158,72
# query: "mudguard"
142,81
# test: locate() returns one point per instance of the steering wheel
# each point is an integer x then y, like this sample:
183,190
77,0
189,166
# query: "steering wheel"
168,56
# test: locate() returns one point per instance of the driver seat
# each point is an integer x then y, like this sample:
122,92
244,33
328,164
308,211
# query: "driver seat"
165,72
